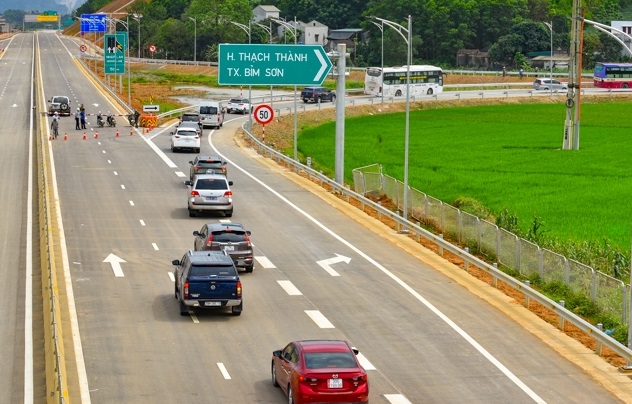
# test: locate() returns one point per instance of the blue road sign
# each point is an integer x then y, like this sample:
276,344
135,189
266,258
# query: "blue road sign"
93,23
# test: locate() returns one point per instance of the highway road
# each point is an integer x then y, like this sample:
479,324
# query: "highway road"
422,337
20,317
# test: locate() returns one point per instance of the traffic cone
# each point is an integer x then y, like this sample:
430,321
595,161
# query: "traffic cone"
50,137
65,136
117,133
96,135
131,132
84,135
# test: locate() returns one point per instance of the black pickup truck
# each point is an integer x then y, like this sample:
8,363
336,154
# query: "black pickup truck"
207,279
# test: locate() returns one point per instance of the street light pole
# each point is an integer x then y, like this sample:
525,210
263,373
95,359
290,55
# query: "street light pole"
293,32
408,38
194,38
269,31
248,30
381,27
137,17
129,81
550,26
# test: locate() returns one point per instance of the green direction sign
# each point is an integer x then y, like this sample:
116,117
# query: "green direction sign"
265,65
114,52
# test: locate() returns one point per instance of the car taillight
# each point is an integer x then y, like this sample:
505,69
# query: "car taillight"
195,193
361,378
209,240
238,289
248,240
186,290
228,194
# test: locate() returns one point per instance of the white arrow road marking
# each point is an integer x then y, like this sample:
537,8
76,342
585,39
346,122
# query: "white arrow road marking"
319,319
326,264
323,66
116,265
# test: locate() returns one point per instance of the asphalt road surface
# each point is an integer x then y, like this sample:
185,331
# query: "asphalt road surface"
320,273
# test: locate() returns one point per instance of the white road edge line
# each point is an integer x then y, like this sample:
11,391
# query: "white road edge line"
28,288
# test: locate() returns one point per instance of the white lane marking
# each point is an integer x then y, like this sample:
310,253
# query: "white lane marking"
142,222
72,309
122,186
181,174
224,220
171,276
289,288
319,319
396,399
28,259
109,161
115,173
265,262
104,151
194,317
131,203
397,280
222,369
155,246
365,362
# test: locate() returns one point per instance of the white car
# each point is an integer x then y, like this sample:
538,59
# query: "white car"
185,138
239,106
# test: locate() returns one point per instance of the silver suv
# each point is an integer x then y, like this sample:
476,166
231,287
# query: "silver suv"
59,104
210,192
549,84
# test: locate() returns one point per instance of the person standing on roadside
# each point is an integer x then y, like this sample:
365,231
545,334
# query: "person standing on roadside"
77,119
82,116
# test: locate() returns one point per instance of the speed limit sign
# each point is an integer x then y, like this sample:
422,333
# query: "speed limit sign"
83,48
152,48
264,114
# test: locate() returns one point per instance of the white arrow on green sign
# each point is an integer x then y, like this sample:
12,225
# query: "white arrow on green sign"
266,65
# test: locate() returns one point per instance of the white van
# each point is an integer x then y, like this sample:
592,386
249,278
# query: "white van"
211,114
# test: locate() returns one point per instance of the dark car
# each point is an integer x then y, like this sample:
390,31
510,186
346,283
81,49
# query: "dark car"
191,117
317,94
231,238
207,164
319,371
207,279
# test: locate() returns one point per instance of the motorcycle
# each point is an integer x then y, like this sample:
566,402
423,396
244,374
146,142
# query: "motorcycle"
133,119
111,121
100,122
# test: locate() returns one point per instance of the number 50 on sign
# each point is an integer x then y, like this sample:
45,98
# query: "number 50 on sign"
264,114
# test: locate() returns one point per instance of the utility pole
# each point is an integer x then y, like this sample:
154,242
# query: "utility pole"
571,125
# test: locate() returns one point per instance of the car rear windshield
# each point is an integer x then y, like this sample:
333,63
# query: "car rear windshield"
208,110
319,360
209,164
60,100
211,183
229,237
212,270
190,117
187,133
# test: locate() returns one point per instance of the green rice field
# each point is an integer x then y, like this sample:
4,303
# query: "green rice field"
506,157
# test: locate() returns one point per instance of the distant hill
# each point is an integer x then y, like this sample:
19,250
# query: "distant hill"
61,6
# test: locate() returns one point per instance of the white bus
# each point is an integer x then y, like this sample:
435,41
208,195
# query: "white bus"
424,80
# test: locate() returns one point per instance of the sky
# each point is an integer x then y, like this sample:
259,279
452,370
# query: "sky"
61,6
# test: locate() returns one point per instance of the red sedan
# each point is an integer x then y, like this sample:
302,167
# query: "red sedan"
320,371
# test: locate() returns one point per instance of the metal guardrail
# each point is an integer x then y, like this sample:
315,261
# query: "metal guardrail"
563,314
